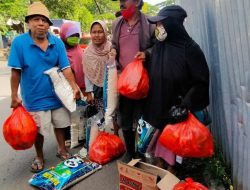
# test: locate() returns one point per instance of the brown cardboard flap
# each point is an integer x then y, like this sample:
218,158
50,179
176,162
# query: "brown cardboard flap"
168,181
151,169
138,174
133,162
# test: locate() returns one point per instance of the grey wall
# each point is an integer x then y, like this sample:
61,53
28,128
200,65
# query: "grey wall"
222,28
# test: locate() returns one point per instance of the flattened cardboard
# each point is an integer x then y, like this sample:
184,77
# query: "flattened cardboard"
137,175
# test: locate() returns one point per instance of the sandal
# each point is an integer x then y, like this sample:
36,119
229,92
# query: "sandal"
67,143
37,165
63,156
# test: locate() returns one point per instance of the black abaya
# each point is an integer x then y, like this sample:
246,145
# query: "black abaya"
178,69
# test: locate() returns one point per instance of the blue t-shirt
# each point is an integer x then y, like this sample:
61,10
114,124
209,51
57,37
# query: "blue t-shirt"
36,87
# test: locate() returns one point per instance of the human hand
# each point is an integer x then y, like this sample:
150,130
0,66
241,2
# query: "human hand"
90,98
15,102
140,56
178,114
112,53
76,93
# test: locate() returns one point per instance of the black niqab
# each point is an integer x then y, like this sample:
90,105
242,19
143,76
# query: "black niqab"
175,30
178,69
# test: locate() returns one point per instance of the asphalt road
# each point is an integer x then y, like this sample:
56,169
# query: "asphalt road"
15,165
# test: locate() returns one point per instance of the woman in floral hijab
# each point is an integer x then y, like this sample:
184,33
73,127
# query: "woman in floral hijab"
96,55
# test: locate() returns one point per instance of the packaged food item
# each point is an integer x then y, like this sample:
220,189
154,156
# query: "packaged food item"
145,133
65,174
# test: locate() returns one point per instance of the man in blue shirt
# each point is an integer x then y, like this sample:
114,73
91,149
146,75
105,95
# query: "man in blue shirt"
31,54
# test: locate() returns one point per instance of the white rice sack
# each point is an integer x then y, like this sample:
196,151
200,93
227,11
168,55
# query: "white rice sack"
112,95
77,126
93,133
97,125
62,88
74,132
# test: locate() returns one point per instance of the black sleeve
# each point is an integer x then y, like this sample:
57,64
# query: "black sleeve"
148,51
197,97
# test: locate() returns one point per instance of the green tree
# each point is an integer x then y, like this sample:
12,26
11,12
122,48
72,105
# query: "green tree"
70,10
149,9
84,11
167,2
14,9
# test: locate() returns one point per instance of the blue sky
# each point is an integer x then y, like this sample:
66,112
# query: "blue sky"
153,2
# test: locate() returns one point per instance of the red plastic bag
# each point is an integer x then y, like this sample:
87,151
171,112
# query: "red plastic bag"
20,130
105,148
189,185
133,81
117,145
189,138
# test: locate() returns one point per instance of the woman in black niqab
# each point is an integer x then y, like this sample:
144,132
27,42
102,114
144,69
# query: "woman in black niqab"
178,74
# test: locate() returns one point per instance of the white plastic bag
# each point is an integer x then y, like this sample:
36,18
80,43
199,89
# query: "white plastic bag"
94,125
62,88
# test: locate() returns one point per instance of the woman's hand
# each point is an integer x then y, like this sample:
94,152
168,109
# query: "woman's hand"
90,98
112,53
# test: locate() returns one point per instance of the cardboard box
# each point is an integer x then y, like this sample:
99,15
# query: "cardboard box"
137,175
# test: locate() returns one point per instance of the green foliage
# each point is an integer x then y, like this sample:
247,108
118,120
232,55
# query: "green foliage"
208,171
84,11
167,2
106,6
150,9
217,167
15,9
3,27
70,10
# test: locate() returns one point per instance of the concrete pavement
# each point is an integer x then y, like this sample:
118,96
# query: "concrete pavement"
15,165
4,70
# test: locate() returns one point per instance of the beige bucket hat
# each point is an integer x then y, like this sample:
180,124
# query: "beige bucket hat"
37,8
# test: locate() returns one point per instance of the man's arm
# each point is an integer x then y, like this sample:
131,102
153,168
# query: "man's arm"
114,34
14,83
71,79
145,55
